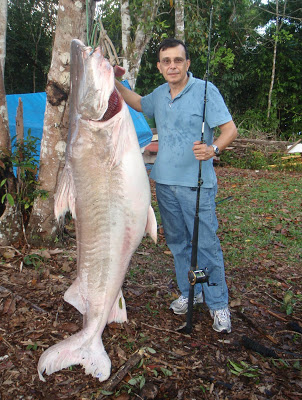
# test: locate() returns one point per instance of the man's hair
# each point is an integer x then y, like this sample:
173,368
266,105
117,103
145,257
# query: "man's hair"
171,42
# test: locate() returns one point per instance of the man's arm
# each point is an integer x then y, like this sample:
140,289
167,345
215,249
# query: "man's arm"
131,98
228,133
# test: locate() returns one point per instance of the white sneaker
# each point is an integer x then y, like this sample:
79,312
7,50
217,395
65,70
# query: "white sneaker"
180,305
222,320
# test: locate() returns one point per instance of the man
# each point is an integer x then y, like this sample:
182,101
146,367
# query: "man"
177,107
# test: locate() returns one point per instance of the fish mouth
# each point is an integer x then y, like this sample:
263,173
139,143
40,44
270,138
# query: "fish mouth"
114,106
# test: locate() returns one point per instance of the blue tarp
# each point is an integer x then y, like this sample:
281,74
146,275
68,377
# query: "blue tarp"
33,115
33,112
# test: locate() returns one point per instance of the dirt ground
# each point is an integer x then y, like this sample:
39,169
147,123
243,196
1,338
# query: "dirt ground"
260,359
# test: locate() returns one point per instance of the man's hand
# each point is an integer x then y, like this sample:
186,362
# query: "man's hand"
228,133
202,151
118,71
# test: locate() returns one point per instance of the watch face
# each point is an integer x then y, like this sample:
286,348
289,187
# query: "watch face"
216,150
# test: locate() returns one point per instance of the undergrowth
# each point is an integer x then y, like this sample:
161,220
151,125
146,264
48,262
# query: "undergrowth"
255,159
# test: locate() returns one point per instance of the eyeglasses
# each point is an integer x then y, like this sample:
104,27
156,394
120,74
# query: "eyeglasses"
166,62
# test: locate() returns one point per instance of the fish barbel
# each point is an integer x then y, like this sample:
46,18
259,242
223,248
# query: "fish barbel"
105,186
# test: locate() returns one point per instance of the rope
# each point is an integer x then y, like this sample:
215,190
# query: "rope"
100,38
107,45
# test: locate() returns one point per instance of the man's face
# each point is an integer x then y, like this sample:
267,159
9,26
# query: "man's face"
173,64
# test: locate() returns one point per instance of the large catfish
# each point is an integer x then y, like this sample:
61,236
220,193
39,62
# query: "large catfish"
105,186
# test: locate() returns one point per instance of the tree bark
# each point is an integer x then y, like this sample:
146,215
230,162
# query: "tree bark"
133,49
10,218
278,27
180,20
71,24
3,25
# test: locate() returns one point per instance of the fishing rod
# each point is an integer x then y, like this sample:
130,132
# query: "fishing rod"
202,275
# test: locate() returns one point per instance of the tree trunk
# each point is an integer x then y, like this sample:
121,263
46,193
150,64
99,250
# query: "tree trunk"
3,24
274,62
10,219
180,19
71,24
134,49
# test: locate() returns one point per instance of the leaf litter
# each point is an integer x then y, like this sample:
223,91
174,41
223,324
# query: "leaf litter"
260,359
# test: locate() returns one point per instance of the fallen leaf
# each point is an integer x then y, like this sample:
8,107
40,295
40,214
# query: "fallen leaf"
180,352
69,327
66,267
9,306
45,254
8,254
235,303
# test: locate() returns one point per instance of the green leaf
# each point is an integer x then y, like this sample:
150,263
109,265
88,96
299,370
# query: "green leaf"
250,375
106,392
132,381
10,199
3,182
244,364
297,365
142,382
237,367
152,351
166,371
234,372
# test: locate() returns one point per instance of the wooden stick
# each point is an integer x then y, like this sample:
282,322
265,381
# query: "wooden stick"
163,362
111,384
260,330
165,330
288,331
268,311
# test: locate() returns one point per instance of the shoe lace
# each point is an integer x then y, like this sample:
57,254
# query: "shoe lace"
182,299
222,315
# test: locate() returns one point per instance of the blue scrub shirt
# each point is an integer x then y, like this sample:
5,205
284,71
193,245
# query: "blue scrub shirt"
179,123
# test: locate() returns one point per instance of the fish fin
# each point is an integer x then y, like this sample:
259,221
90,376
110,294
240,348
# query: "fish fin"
65,195
73,296
76,350
151,226
118,311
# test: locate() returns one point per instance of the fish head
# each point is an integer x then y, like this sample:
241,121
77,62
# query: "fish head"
92,81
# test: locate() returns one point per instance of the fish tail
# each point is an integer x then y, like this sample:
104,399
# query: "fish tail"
76,350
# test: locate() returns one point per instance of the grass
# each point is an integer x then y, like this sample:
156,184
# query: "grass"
263,218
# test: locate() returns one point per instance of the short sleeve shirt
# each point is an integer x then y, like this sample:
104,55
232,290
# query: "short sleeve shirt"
179,125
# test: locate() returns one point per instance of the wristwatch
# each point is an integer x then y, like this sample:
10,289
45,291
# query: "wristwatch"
216,150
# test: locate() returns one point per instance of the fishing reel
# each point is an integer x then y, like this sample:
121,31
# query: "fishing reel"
200,276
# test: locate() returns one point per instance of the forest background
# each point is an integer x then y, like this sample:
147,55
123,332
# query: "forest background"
256,55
